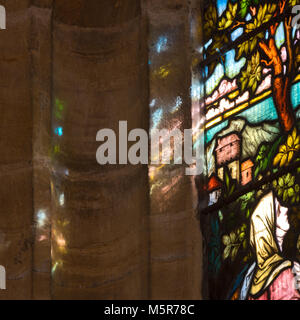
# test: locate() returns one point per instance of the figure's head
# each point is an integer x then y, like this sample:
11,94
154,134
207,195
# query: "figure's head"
282,222
269,225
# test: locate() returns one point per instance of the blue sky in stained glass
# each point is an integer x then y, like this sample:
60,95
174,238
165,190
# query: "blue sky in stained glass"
262,111
221,5
294,30
248,17
236,33
209,135
232,70
214,80
279,36
267,35
295,95
233,67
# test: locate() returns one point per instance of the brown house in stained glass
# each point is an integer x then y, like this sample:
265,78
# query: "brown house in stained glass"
227,154
228,149
246,172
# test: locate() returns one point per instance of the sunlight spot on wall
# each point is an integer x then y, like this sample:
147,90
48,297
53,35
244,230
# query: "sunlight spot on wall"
41,218
62,199
162,44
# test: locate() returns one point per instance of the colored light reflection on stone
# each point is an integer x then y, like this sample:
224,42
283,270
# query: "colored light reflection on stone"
41,218
59,108
56,149
59,131
162,44
62,199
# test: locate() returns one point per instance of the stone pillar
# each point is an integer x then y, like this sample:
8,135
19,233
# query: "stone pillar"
175,235
16,196
198,124
99,213
41,53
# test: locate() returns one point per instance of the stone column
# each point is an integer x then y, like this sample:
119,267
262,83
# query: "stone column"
99,213
41,58
175,235
16,195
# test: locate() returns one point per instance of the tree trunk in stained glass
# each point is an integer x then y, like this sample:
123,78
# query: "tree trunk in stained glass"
282,102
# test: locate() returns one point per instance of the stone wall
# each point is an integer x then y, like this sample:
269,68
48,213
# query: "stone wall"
175,245
16,162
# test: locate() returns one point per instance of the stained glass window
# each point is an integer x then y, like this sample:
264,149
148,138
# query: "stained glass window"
251,102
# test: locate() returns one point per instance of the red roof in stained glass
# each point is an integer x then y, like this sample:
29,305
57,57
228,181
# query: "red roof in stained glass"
214,183
246,165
